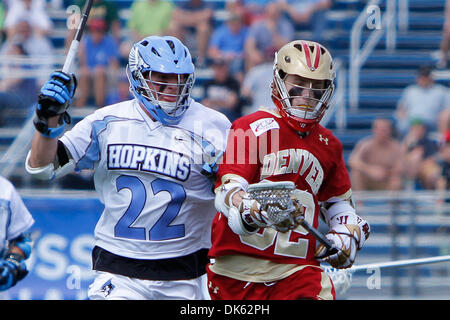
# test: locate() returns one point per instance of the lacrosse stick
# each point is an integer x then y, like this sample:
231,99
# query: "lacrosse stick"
71,54
342,278
276,198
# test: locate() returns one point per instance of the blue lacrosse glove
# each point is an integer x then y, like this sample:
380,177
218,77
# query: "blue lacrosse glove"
211,168
54,99
12,269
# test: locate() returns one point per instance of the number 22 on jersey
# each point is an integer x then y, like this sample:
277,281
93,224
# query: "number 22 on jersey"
161,230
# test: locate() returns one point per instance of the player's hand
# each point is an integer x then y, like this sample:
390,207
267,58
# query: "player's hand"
11,271
56,94
54,99
252,214
345,239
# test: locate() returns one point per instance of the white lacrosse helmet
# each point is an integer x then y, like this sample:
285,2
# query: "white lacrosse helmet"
303,83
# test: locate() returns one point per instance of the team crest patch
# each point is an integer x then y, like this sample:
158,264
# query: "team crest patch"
107,288
262,125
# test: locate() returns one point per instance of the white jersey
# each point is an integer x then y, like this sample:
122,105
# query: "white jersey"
15,218
158,204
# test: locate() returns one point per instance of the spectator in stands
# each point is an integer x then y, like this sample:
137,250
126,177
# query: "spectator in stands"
99,60
253,10
376,161
227,42
256,86
307,14
443,163
101,9
37,47
195,18
418,156
2,22
150,17
34,10
17,93
270,33
445,42
222,92
425,100
122,92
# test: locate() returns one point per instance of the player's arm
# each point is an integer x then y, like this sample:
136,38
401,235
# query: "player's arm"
47,154
12,264
348,231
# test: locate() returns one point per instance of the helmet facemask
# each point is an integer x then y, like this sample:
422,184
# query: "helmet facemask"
301,97
174,102
303,83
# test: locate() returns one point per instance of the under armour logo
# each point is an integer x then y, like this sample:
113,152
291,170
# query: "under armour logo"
323,139
215,289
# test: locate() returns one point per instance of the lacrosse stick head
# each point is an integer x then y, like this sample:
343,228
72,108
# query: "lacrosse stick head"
275,199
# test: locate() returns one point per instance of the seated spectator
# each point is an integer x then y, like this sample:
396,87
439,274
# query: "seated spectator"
194,17
376,161
424,100
98,58
101,9
17,93
256,86
307,14
227,42
121,93
443,163
253,10
2,22
222,92
34,10
150,17
418,156
36,46
270,33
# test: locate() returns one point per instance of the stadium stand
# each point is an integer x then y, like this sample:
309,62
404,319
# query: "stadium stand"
403,225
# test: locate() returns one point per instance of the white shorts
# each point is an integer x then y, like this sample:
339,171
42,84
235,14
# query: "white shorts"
108,286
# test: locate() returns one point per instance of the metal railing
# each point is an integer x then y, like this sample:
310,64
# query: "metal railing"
22,67
405,224
358,54
338,102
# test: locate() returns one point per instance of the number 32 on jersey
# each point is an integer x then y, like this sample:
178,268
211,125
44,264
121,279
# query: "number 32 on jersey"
283,245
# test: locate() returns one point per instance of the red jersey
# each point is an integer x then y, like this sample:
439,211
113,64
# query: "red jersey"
262,146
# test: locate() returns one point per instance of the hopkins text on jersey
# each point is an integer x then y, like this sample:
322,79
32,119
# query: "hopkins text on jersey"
148,159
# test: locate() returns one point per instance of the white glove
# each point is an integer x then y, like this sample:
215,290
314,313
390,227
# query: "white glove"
252,214
346,238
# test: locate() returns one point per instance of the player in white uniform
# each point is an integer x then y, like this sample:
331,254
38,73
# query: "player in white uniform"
153,158
15,242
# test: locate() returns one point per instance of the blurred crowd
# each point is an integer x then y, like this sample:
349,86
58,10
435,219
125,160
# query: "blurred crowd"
411,149
238,46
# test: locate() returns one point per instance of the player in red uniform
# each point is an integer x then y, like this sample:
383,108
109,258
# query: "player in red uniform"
251,260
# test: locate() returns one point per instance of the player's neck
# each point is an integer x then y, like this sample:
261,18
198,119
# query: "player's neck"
147,113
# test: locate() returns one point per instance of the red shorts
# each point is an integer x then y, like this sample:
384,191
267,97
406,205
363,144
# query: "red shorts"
308,283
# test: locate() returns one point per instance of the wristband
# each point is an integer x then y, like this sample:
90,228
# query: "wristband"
42,127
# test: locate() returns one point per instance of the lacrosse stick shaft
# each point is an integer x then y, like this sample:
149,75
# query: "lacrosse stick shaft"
401,263
71,54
